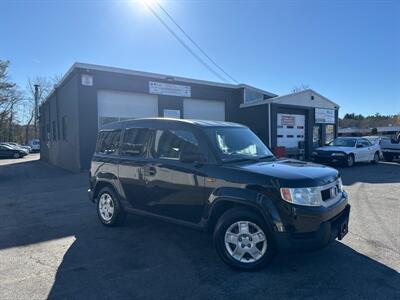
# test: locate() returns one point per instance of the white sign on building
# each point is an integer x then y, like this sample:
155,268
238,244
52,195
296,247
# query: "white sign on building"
172,113
161,88
325,115
87,80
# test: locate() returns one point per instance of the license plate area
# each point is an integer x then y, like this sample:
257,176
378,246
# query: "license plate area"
343,230
342,223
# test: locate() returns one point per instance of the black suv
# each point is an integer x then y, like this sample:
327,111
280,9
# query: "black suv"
219,177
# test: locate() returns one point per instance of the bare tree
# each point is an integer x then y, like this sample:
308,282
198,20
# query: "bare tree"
10,97
300,88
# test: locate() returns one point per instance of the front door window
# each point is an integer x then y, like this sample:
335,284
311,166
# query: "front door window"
316,136
329,134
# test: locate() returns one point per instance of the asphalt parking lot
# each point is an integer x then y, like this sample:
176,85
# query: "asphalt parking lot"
53,246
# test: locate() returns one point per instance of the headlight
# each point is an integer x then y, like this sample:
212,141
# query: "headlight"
302,196
338,154
340,184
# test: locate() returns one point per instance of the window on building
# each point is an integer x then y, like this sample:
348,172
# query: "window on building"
134,141
169,144
64,127
250,95
329,133
54,131
108,141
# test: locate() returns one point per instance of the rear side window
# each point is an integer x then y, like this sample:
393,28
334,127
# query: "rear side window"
108,141
134,141
169,144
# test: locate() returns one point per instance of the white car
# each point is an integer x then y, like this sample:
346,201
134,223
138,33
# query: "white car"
35,145
348,150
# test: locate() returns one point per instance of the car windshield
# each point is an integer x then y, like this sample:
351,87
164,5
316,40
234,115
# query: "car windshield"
238,143
344,142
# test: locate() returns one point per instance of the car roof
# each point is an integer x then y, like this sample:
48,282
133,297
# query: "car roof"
150,122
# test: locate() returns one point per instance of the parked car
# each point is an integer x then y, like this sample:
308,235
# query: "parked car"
219,177
15,147
376,140
35,145
7,151
347,150
27,148
391,147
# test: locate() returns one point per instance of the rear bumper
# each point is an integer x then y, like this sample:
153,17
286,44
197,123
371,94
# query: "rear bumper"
327,231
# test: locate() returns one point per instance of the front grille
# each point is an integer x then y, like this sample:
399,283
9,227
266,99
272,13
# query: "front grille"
330,193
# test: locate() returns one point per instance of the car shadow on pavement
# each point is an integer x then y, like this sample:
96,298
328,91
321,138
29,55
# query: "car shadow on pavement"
382,172
149,259
51,240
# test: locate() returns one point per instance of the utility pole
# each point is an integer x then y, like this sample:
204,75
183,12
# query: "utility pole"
36,109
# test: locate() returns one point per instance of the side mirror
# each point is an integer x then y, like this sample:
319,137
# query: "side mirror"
190,157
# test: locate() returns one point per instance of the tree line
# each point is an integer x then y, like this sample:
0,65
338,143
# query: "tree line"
351,120
17,105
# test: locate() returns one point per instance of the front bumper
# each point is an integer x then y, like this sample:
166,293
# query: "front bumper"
329,159
311,231
90,195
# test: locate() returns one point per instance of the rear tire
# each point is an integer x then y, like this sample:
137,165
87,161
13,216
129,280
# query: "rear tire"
109,209
350,160
248,249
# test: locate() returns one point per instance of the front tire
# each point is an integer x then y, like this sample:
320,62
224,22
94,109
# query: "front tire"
350,160
376,158
243,240
109,209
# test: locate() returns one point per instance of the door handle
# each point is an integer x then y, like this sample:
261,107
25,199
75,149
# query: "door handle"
152,171
149,171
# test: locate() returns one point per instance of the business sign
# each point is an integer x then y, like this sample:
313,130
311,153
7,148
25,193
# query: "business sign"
325,115
287,120
161,88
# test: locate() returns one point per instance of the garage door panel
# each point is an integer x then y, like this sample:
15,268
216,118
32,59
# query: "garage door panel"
204,109
117,105
290,130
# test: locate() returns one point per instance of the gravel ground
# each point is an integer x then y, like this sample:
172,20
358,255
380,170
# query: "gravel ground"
53,246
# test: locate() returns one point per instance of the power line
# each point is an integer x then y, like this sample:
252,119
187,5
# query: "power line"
184,44
194,43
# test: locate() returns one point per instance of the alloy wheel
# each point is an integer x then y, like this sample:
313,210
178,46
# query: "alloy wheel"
106,207
245,241
350,161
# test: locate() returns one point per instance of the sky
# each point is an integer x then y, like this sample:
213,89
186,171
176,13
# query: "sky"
348,51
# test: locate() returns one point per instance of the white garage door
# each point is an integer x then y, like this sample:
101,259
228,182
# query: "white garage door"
115,106
290,130
204,109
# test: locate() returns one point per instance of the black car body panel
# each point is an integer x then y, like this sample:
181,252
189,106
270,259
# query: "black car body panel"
191,193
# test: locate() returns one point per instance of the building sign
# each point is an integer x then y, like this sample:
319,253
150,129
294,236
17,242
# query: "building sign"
169,89
324,115
172,113
87,80
287,120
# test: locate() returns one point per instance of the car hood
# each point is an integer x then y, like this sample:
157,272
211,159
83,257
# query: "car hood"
335,148
292,173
